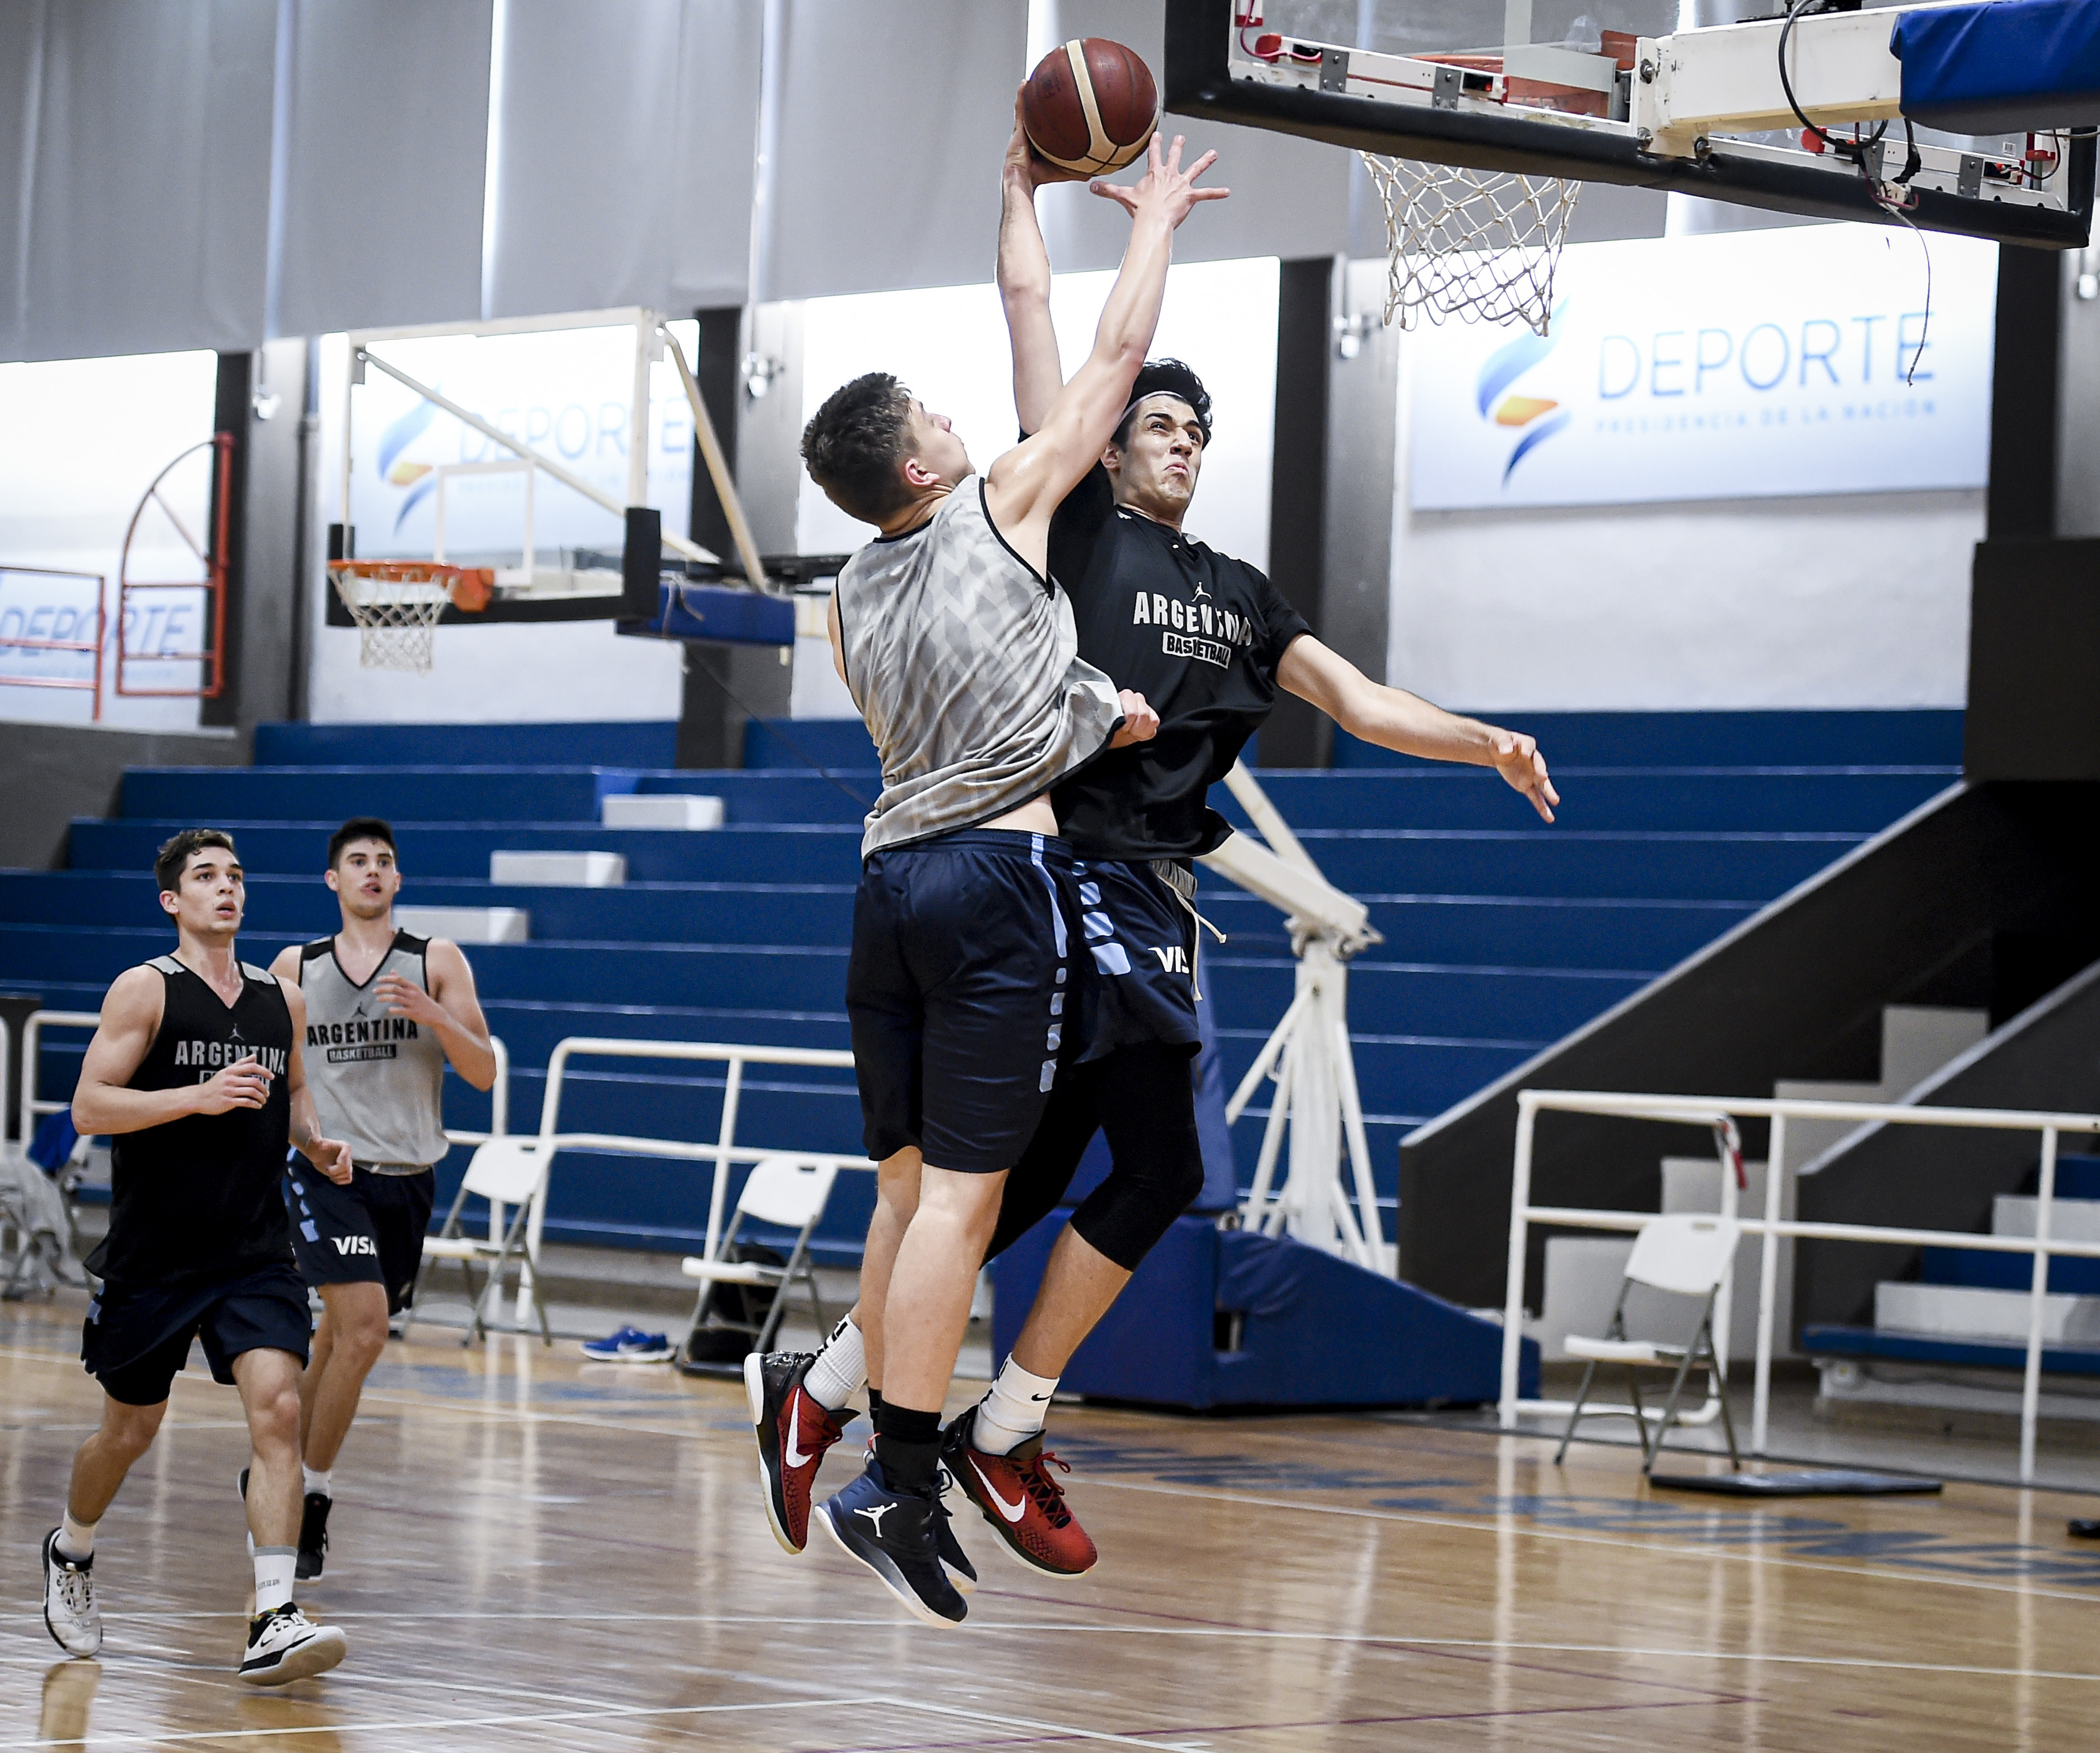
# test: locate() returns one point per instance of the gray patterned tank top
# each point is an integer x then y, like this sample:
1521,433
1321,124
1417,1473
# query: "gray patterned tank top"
965,664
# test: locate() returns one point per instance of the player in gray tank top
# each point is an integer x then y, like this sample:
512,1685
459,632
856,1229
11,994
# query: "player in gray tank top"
963,659
385,1012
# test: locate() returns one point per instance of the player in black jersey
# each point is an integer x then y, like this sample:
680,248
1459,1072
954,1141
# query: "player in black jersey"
195,1071
1208,641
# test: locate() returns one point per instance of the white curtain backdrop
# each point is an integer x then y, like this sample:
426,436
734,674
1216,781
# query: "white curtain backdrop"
386,141
186,173
139,142
885,146
628,135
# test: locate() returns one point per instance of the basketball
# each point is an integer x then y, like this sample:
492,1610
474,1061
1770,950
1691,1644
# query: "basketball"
1090,106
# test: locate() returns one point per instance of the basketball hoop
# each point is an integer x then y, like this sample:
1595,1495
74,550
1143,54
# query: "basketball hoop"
396,604
1481,245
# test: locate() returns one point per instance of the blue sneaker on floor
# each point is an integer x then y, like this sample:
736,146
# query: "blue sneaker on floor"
630,1345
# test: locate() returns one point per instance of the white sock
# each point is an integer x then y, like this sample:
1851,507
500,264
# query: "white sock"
274,1566
316,1481
840,1369
1013,1410
76,1540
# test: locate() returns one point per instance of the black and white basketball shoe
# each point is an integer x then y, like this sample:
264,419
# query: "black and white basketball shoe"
895,1535
285,1645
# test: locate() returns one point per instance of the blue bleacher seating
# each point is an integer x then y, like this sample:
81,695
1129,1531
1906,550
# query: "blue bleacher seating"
1501,935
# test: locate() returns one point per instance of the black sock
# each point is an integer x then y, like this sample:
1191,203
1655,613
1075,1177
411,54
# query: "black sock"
907,1444
875,1406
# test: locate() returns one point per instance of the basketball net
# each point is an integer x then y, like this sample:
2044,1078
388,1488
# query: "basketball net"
1481,245
396,605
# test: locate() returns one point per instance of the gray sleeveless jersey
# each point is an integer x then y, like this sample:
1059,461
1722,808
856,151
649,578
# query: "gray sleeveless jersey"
376,1077
965,662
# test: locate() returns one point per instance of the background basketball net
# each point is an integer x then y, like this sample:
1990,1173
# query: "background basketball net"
396,605
1478,245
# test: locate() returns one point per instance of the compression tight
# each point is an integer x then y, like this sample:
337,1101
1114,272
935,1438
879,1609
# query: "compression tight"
1144,1098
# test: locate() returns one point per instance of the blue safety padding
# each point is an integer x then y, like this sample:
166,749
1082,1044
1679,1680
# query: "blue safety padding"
1314,1330
2001,68
717,612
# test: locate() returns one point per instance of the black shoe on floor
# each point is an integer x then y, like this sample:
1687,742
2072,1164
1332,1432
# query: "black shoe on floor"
895,1535
313,1537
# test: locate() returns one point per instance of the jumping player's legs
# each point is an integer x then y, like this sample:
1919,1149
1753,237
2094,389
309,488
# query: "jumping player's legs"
970,933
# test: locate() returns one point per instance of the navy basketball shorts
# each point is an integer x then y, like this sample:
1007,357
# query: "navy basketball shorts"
136,1338
1137,981
370,1232
957,991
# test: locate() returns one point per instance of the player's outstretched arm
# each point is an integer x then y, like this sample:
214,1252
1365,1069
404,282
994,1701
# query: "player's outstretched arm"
1026,485
1395,718
450,1009
1024,279
330,1156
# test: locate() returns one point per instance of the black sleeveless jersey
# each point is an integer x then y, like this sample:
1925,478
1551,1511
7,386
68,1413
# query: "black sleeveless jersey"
1199,635
204,1195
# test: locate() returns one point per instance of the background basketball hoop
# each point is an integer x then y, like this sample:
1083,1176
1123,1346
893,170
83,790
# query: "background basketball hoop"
396,604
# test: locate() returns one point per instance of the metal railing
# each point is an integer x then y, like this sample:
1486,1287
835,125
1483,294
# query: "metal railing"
1705,1111
724,1151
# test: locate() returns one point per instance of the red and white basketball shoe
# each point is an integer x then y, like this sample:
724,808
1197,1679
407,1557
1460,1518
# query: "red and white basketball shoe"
1024,1505
793,1432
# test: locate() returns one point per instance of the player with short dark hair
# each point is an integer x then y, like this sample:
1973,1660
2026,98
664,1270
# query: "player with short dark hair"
195,1071
385,1012
959,653
1208,640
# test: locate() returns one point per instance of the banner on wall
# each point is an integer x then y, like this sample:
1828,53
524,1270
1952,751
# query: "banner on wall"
1734,365
564,392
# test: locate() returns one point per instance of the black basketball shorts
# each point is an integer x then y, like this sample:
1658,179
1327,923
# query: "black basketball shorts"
1136,983
370,1232
957,991
136,1338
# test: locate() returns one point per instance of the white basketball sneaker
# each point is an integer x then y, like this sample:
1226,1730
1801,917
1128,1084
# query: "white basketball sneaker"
285,1645
70,1613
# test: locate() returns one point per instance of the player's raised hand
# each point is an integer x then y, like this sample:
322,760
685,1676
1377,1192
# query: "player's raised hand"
1023,162
1141,724
1165,188
1518,760
243,1084
404,998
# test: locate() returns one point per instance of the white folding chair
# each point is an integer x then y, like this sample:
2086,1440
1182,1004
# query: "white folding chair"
1689,1255
789,1193
505,1172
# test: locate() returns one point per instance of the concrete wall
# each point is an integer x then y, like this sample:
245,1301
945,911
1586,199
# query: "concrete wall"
50,774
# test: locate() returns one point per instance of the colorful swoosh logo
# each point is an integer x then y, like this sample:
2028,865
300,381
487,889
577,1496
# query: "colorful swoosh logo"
398,470
1537,417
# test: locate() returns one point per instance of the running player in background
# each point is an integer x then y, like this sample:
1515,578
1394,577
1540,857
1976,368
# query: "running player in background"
195,1071
385,1012
960,654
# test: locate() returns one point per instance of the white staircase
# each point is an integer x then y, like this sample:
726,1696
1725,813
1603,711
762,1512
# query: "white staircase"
1583,1272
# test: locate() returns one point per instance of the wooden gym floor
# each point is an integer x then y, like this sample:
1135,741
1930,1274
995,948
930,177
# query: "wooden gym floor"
535,1552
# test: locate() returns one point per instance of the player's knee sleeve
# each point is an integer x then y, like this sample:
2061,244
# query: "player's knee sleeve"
1149,1111
1038,1181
